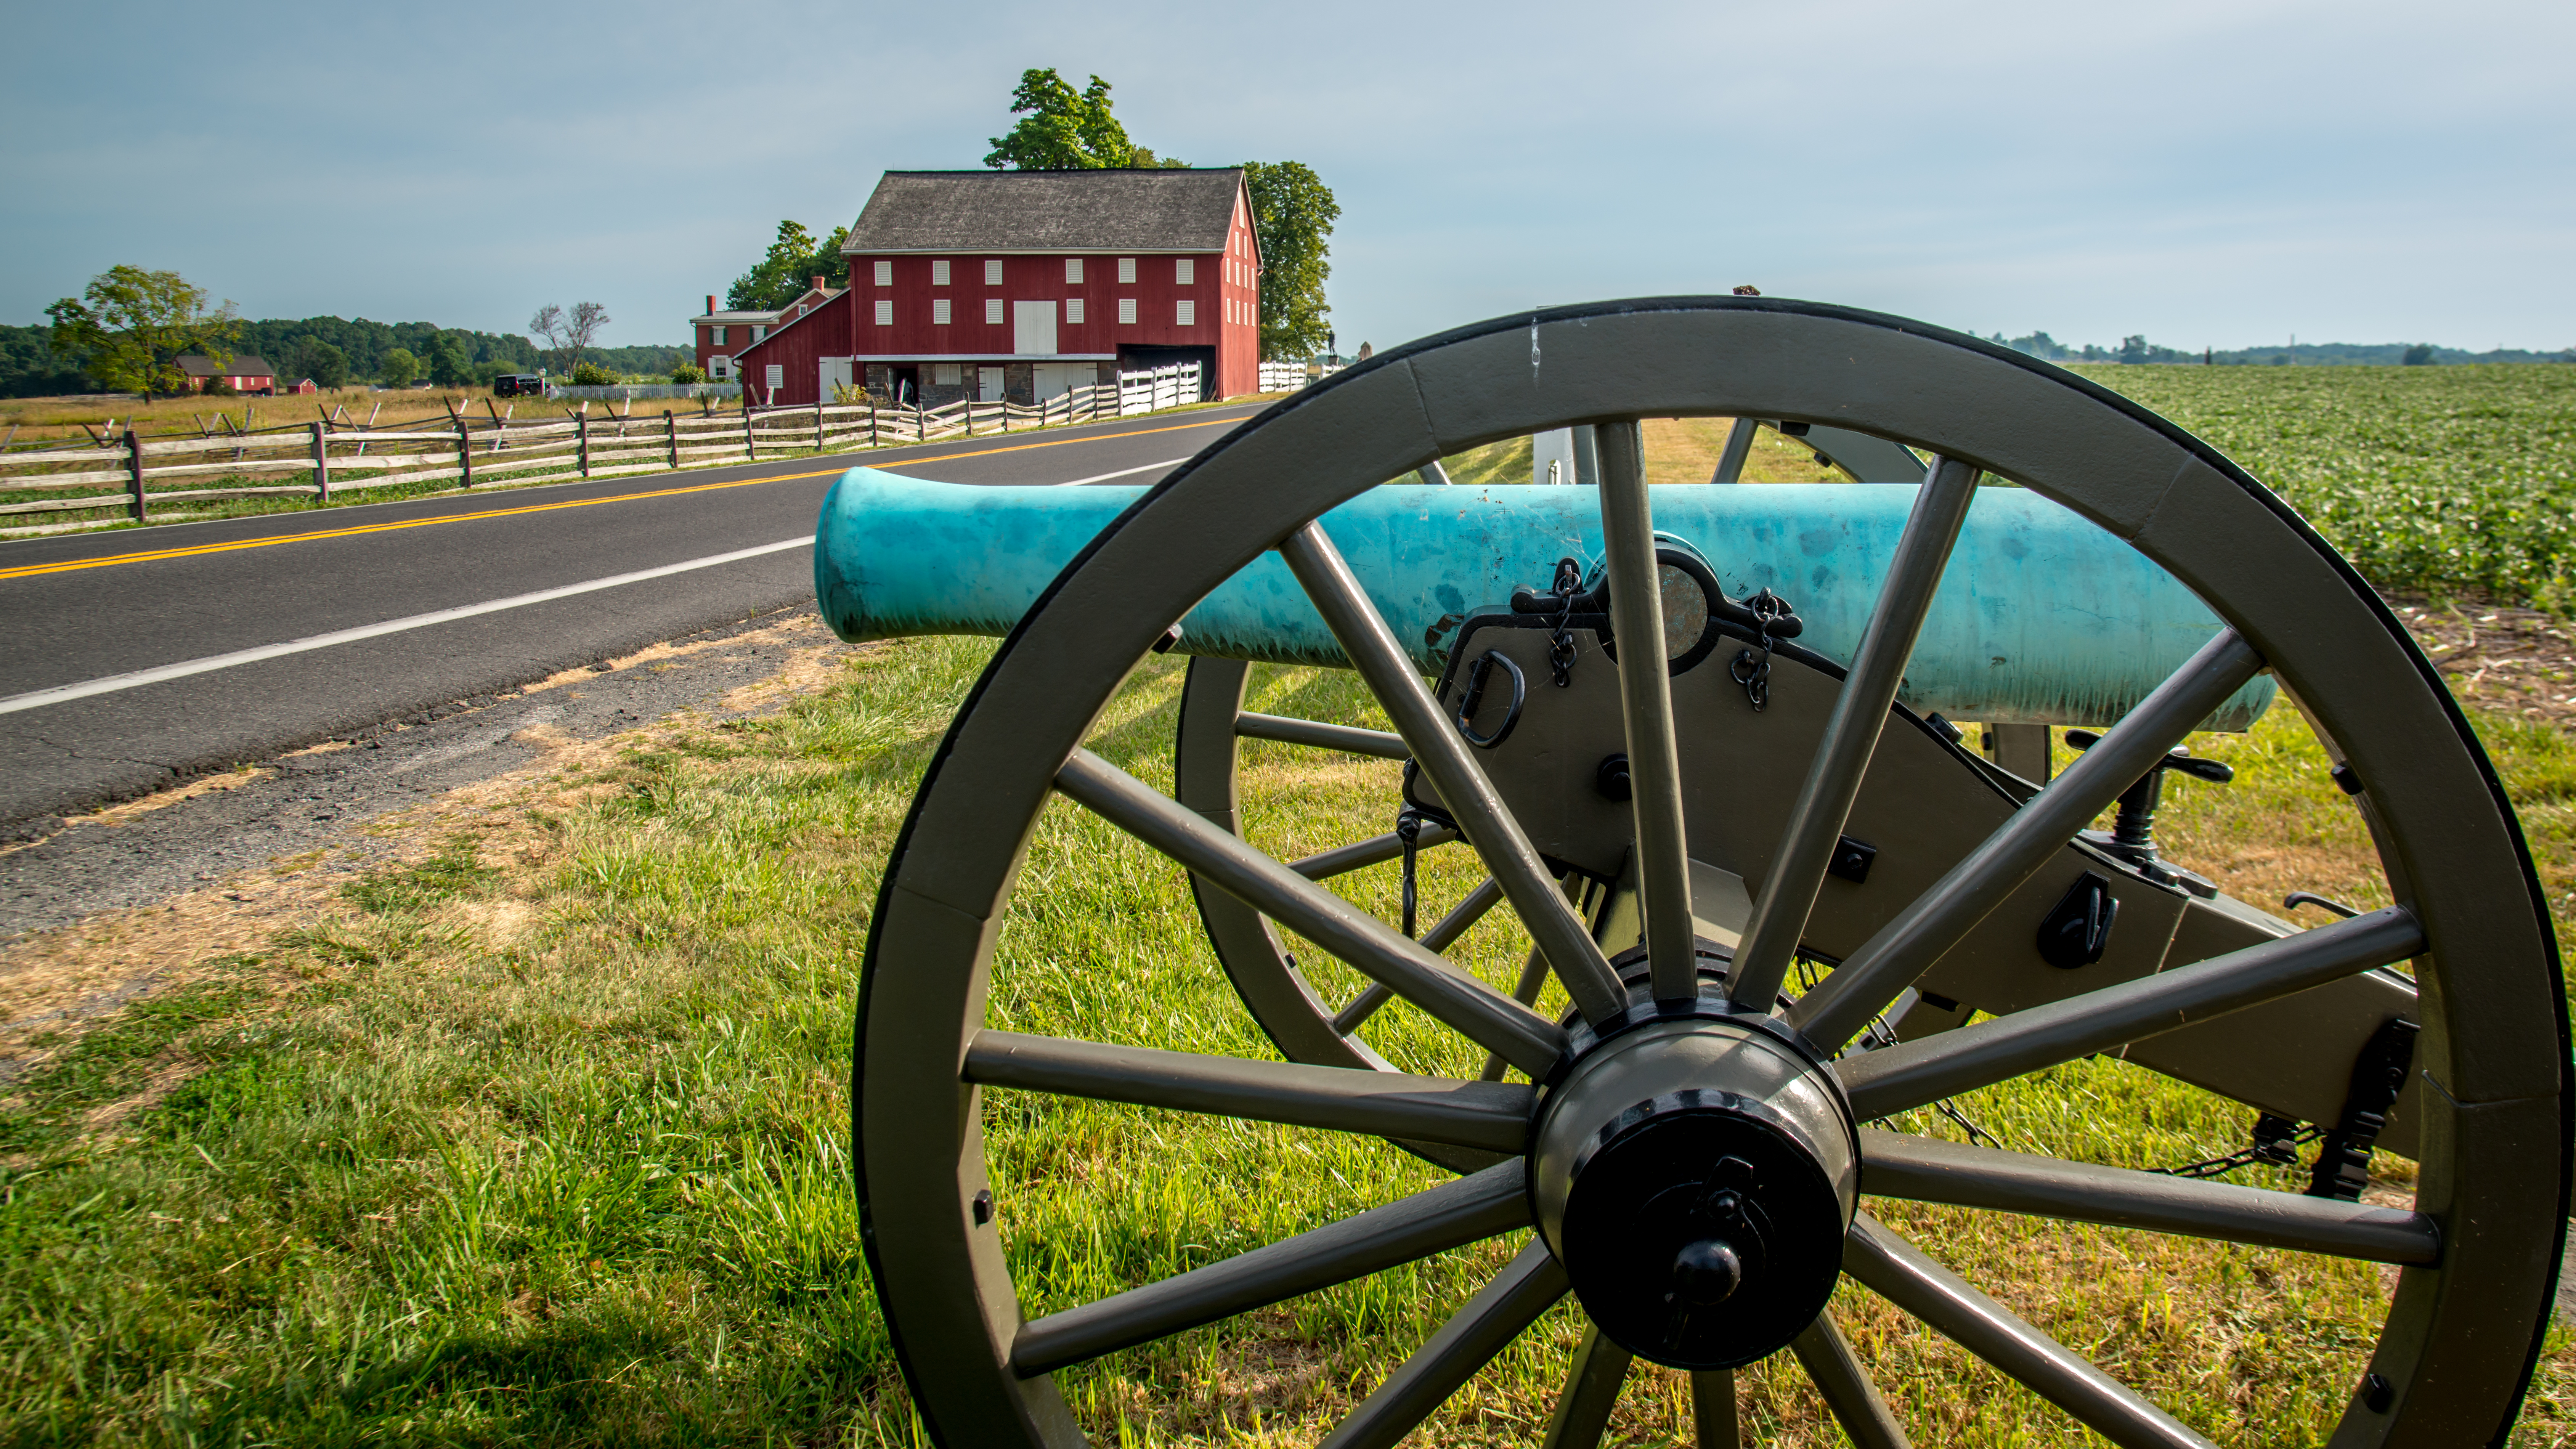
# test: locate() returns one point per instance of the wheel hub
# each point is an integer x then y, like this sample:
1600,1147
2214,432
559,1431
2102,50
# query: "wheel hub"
1696,1178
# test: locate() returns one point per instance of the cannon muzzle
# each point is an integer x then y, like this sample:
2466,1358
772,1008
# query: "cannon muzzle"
2041,617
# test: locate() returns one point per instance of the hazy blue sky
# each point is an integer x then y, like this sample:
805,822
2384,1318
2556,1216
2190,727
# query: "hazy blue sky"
2206,173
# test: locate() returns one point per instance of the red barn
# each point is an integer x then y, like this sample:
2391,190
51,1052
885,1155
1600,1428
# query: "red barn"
1022,284
243,374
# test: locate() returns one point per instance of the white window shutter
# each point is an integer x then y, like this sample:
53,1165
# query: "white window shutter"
939,273
1185,271
939,311
992,271
1073,270
885,311
1189,314
777,376
1073,309
1127,269
993,310
1126,311
885,273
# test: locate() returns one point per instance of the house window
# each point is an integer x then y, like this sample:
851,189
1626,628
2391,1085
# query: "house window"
719,367
993,272
1185,271
758,332
1189,314
777,376
939,311
993,311
939,274
1073,310
947,374
1126,311
1126,269
718,339
885,274
1073,270
885,311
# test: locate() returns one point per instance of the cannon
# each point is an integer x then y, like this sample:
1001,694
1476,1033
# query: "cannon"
1774,902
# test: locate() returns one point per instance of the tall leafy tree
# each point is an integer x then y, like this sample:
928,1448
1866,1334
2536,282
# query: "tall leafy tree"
132,327
792,263
398,367
448,364
1062,129
1293,212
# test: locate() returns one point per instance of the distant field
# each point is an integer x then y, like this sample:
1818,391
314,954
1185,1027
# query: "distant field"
2442,481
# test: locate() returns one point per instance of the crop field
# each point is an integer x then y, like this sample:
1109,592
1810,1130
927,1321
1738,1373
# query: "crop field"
542,1137
2448,482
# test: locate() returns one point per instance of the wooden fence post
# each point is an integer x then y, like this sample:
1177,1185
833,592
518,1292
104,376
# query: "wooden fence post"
671,436
321,463
750,446
464,449
872,420
134,470
818,424
581,433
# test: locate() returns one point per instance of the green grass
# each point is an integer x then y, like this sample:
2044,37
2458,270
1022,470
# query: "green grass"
552,1148
2443,481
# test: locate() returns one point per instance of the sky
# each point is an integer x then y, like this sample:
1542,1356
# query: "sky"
2207,174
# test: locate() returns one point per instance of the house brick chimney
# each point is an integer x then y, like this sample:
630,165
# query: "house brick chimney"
818,284
711,304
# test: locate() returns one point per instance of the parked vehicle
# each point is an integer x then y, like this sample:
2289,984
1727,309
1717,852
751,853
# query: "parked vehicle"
519,384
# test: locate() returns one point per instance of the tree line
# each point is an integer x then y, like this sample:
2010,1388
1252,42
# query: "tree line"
129,327
1062,129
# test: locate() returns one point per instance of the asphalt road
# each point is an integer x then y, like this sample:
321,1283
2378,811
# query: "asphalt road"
84,609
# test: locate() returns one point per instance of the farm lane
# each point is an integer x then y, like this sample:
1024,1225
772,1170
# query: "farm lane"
86,607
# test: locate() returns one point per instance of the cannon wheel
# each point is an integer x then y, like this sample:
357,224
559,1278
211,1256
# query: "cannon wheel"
2477,1253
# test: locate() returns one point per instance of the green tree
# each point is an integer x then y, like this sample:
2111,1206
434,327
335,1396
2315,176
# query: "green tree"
133,326
794,260
2419,355
398,367
312,357
1293,212
448,364
2133,348
1061,129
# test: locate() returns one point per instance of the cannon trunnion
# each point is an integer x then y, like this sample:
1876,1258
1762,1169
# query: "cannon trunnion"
1779,917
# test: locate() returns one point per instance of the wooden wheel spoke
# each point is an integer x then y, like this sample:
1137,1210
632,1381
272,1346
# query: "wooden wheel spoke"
1851,736
1899,1272
1910,1074
1926,1170
1444,758
1889,961
1360,854
1467,1342
1462,1211
1592,1384
1488,1017
1493,1116
1439,938
1845,1386
1350,739
1646,708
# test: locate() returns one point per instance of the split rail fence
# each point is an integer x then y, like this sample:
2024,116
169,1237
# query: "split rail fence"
134,474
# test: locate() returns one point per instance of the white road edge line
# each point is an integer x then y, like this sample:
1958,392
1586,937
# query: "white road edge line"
111,683
1121,473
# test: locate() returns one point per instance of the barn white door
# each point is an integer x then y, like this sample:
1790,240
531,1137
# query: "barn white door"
835,373
988,384
1033,327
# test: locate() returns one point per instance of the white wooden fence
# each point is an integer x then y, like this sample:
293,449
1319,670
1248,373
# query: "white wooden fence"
1283,376
134,474
1163,387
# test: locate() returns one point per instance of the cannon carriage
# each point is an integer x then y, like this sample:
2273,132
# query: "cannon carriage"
1774,900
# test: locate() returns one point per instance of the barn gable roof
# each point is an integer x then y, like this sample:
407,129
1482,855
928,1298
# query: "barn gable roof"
244,365
1000,211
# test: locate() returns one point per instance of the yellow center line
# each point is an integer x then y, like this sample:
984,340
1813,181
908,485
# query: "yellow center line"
193,550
